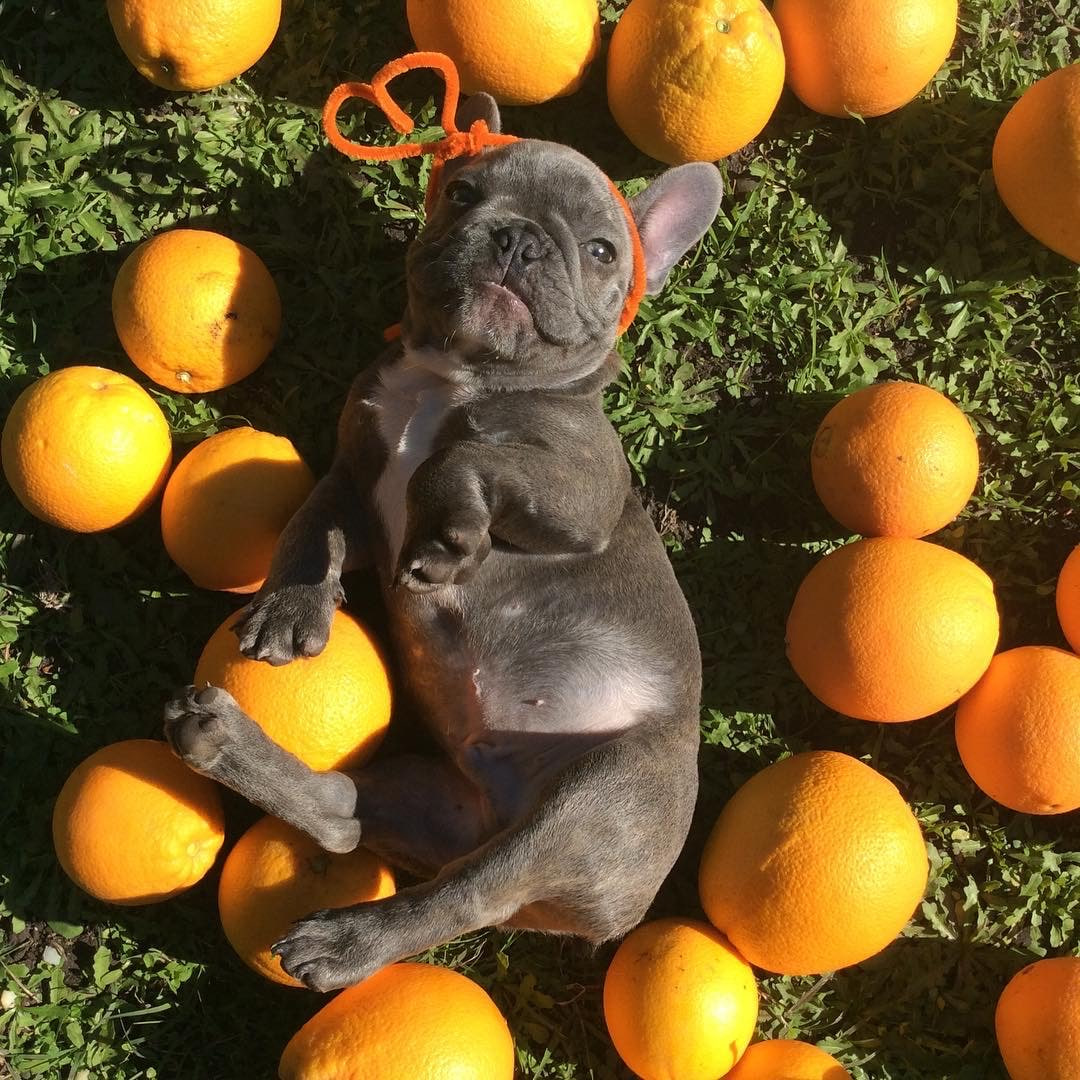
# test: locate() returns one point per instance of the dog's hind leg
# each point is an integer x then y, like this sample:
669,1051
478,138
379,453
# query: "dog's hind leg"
419,813
587,860
214,736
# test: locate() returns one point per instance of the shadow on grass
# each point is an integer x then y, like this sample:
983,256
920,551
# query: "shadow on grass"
945,988
745,467
316,48
69,47
916,185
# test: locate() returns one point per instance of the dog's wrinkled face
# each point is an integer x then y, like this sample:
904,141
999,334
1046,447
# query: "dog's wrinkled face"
525,262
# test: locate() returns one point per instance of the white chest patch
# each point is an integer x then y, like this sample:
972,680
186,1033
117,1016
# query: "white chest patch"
411,401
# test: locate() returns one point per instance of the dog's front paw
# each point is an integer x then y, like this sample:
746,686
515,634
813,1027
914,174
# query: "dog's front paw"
200,724
449,556
326,951
287,623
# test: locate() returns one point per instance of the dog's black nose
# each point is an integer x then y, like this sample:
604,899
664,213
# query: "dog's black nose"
517,242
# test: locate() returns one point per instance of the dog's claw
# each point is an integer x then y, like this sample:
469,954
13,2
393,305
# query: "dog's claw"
319,951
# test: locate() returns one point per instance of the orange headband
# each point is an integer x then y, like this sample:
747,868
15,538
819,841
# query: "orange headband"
455,143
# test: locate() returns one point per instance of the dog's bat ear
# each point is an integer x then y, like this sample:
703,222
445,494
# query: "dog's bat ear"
479,107
476,107
672,214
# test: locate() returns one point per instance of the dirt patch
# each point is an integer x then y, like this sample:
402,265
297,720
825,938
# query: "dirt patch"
29,944
666,518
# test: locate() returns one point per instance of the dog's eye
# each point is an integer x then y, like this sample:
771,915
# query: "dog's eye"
601,250
462,193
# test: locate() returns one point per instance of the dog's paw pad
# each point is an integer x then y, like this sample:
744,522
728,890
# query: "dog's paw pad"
197,724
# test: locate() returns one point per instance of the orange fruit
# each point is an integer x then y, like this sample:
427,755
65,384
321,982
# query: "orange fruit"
694,80
679,1001
1068,599
193,44
521,52
330,710
1038,1021
815,863
134,825
892,629
226,504
894,459
1018,730
863,57
86,449
405,1022
787,1059
1037,161
195,310
275,875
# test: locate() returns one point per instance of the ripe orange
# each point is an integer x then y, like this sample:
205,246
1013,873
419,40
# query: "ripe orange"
86,449
330,710
787,1059
521,52
134,825
275,875
1068,599
892,629
226,504
194,44
694,80
895,459
1018,730
1037,161
1038,1021
863,57
679,1001
815,863
405,1022
195,310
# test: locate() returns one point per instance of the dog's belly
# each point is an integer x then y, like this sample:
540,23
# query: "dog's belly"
539,658
517,689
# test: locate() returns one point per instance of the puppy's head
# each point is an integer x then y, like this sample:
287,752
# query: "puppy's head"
526,260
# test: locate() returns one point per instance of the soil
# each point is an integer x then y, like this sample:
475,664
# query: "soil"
28,945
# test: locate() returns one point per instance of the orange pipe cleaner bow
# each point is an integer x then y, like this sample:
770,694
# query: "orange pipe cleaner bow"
454,143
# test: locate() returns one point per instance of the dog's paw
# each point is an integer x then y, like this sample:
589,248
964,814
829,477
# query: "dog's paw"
200,724
339,835
449,557
287,623
326,951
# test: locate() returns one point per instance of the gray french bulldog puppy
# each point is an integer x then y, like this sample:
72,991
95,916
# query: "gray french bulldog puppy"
539,629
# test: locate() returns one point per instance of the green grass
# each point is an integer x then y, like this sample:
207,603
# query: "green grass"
846,252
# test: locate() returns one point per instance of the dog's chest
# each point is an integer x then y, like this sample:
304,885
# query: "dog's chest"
411,403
